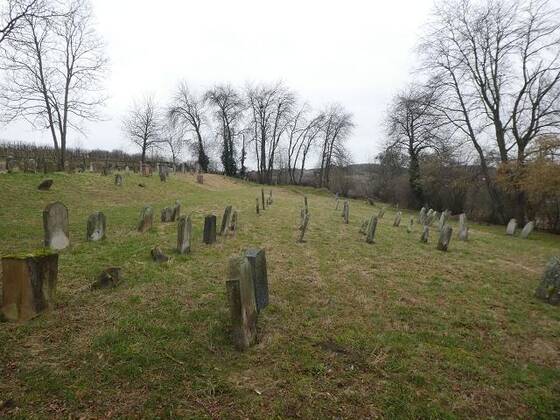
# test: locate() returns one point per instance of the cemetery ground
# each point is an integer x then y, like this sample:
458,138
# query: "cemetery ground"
391,329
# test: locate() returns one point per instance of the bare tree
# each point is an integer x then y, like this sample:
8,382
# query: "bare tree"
337,127
190,111
173,137
497,66
272,109
228,110
13,14
143,126
53,72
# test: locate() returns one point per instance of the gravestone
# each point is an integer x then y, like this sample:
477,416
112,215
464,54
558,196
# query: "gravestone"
364,226
337,200
209,235
225,220
443,219
270,197
200,179
372,226
305,206
549,287
96,227
45,185
158,255
146,219
511,227
176,211
463,228
425,234
242,306
55,225
258,211
118,180
527,230
346,211
28,285
397,221
257,262
422,216
233,222
109,278
163,176
262,196
444,238
410,225
303,227
11,164
184,235
381,213
30,166
167,215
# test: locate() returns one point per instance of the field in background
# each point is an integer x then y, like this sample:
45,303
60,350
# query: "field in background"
391,329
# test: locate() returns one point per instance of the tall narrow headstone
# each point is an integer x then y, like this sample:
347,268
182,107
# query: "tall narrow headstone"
463,228
527,230
209,235
410,225
258,210
146,219
444,238
346,212
549,288
225,220
443,219
262,196
511,227
184,234
422,216
176,211
305,205
233,222
337,200
370,238
257,262
55,224
397,221
96,226
425,234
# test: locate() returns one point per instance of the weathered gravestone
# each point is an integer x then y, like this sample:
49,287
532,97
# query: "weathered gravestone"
209,235
28,285
257,262
96,227
146,219
443,219
55,225
422,216
258,211
200,179
463,228
410,225
167,215
305,206
109,278
176,211
233,222
45,185
430,216
364,226
163,176
184,235
337,200
397,221
381,213
549,288
225,220
242,305
372,226
425,234
444,238
511,227
262,196
303,227
30,166
527,230
158,255
118,180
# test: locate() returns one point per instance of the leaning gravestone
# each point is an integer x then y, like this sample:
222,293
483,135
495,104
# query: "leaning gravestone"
146,219
303,227
28,285
55,225
397,221
184,235
96,227
370,238
109,278
527,230
422,216
209,235
511,227
167,215
444,238
425,234
45,185
225,220
257,262
242,305
549,288
118,180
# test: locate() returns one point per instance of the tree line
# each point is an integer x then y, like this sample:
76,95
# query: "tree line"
484,102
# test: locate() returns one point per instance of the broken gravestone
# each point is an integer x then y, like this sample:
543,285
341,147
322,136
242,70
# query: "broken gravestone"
511,227
225,220
45,185
55,225
184,235
109,278
96,227
158,255
209,235
242,305
549,288
370,238
28,284
257,262
146,219
527,230
444,238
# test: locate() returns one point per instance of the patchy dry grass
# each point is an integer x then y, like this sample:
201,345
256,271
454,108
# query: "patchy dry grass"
394,329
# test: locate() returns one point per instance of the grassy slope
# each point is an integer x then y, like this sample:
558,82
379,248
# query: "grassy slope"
396,328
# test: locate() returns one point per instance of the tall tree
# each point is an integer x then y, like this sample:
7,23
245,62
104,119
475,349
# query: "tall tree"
14,12
228,110
143,126
53,72
189,110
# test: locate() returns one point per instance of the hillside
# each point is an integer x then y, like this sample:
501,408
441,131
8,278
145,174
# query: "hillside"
353,330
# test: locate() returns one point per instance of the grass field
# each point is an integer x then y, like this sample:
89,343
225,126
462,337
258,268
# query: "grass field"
393,329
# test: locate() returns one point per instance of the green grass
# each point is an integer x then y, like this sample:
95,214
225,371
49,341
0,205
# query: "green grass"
393,329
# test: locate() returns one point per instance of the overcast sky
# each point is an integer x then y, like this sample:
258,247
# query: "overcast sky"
354,52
